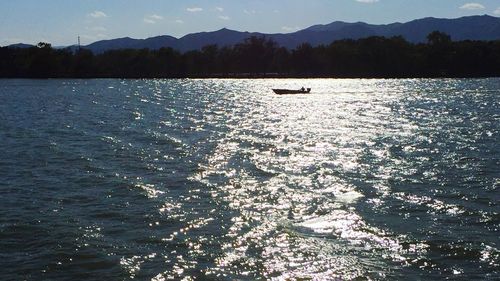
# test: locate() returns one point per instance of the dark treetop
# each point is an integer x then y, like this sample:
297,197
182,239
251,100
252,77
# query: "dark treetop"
262,57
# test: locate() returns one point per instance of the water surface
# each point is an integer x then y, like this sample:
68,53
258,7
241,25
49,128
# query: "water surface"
223,180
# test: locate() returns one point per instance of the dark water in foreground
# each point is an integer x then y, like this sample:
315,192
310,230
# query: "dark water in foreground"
223,180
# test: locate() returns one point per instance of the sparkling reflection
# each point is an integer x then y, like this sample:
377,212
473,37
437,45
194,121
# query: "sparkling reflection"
224,180
284,158
297,167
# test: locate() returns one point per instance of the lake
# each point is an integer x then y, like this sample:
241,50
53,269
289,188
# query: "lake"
224,180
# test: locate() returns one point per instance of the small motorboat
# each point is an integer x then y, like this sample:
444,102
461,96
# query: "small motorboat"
291,92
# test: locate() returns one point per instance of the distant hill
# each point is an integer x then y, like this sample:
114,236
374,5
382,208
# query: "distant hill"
21,46
223,37
465,28
130,43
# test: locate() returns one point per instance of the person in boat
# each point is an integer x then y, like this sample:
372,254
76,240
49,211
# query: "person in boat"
302,89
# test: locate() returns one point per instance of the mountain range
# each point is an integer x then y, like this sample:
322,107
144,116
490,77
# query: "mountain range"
465,28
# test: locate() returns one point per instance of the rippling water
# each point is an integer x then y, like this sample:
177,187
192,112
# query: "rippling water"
223,180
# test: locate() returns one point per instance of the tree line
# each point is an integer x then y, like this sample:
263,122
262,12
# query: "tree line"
373,57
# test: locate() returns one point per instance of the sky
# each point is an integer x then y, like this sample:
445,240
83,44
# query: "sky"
60,22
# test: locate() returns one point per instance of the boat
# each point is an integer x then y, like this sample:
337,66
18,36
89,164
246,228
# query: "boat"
291,92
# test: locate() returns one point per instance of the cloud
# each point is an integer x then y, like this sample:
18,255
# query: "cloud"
152,19
367,1
224,18
290,29
88,37
472,6
194,9
497,11
98,14
9,41
249,12
179,21
220,9
156,17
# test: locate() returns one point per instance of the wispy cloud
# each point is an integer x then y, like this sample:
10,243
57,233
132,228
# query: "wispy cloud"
179,21
367,1
472,6
100,36
9,41
156,17
152,19
290,29
94,33
249,12
224,18
194,9
220,9
97,14
497,11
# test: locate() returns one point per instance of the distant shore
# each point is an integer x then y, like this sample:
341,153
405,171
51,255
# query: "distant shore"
258,57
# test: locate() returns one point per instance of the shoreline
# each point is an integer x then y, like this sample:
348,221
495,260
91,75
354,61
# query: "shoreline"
247,77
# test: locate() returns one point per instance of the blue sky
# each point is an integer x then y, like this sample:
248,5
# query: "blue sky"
60,22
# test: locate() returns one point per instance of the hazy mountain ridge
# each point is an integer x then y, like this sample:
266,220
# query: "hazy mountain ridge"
465,28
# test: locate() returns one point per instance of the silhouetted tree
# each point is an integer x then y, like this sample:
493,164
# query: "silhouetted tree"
439,53
258,56
83,62
255,54
438,38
